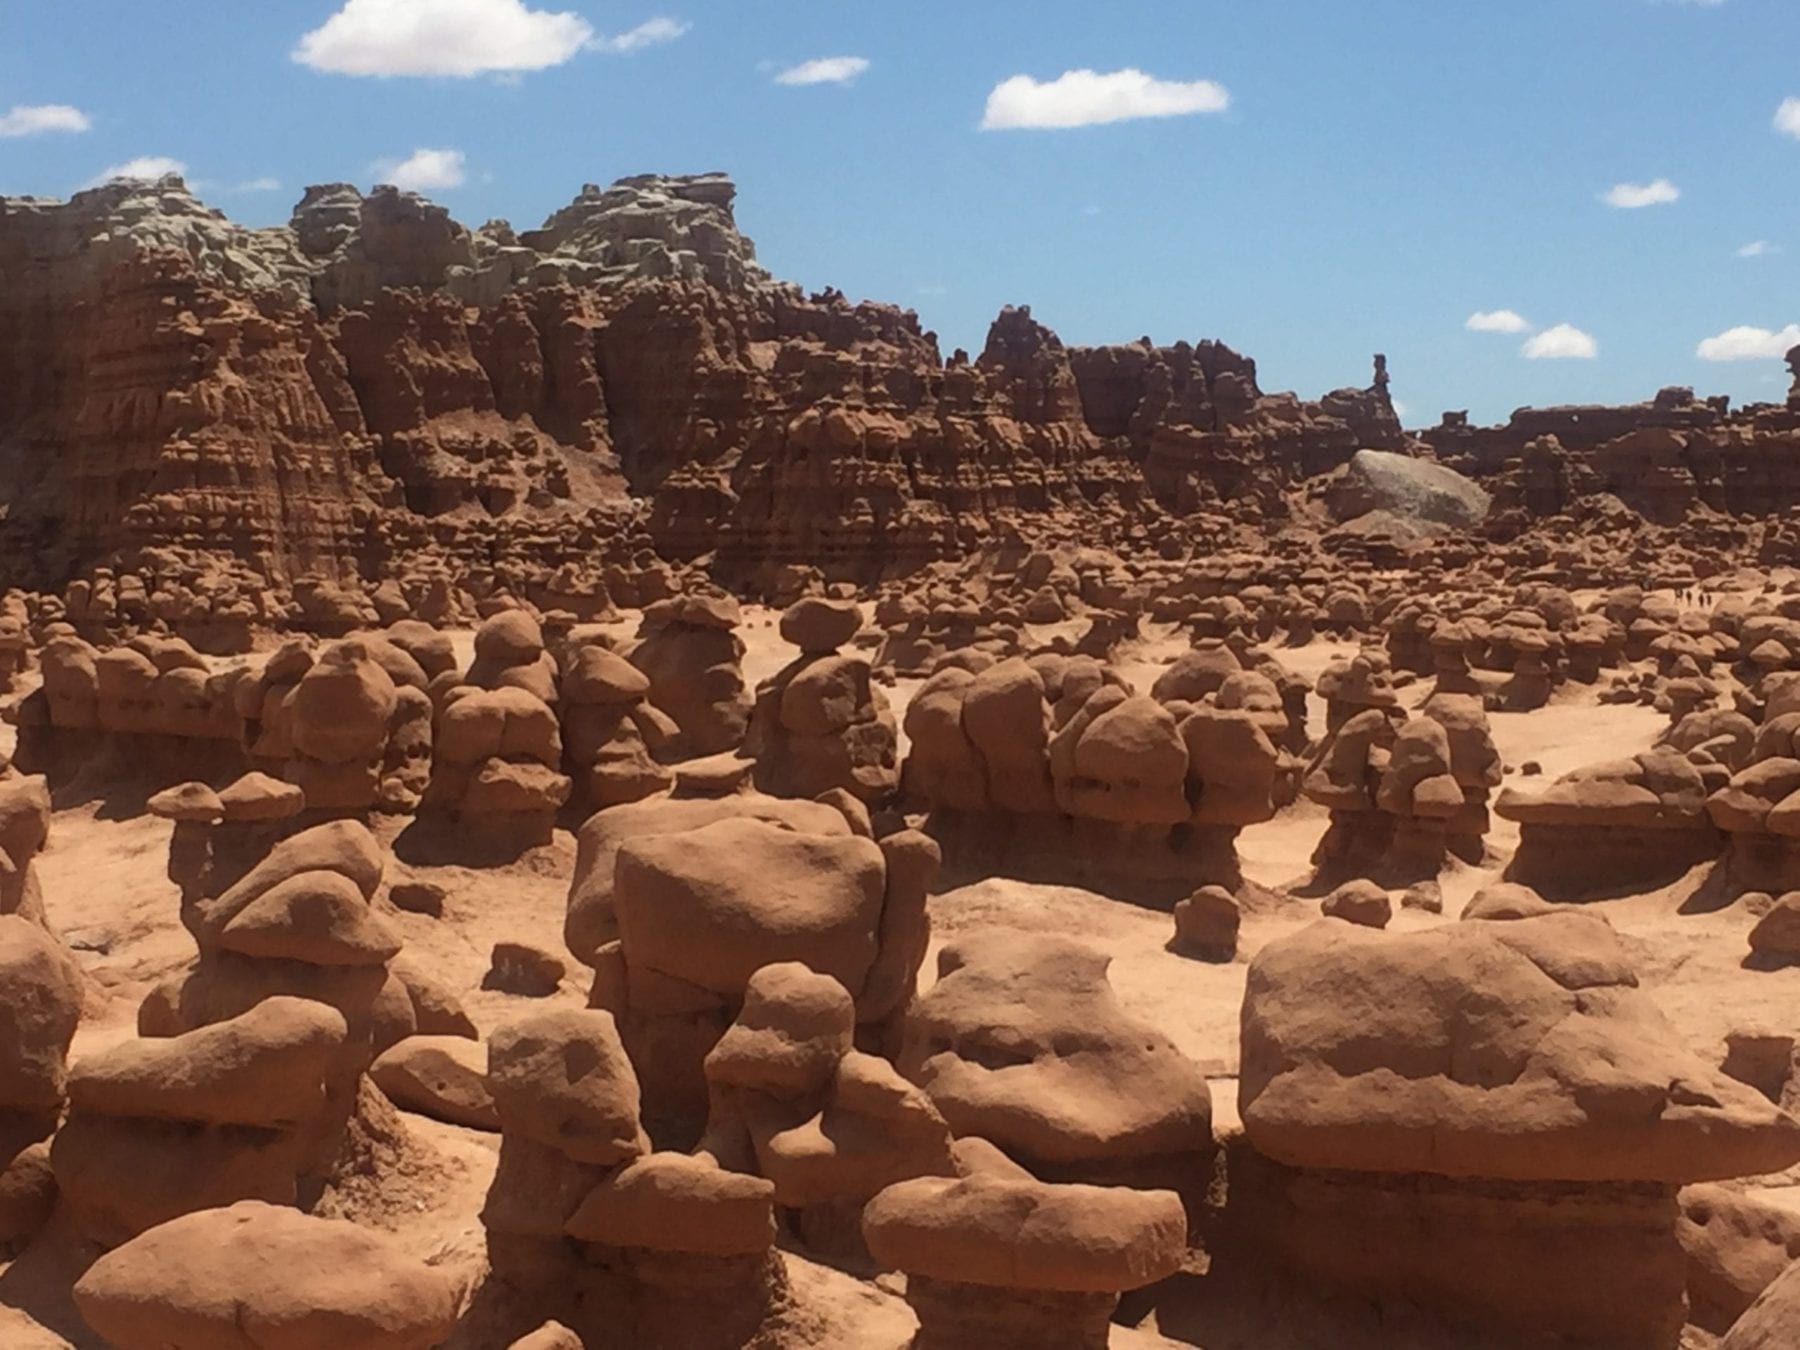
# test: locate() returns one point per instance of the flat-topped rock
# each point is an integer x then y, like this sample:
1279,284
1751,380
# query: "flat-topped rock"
1518,1050
255,1276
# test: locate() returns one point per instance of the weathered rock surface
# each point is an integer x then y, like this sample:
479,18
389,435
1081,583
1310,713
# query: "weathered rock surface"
262,1277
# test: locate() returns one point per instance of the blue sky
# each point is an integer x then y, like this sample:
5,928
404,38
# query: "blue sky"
1308,180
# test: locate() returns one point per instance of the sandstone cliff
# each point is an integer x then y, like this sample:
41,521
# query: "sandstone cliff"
375,382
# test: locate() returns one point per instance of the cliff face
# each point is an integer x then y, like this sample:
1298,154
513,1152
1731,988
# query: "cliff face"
375,380
142,402
1665,459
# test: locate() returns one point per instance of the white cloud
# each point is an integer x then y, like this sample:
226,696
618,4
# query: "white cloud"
1631,196
649,33
1761,248
1400,409
422,170
1083,98
1787,118
1747,343
1565,342
257,185
825,70
36,119
1497,321
441,37
145,168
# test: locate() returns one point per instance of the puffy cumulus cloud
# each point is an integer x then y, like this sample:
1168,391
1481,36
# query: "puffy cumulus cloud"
1787,118
1749,343
824,70
145,168
1497,321
423,169
1564,342
1085,98
441,37
38,118
1633,196
650,33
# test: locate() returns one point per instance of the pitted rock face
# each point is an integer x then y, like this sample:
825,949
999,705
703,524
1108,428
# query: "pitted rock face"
561,1079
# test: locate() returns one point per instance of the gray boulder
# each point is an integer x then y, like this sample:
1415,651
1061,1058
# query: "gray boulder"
1415,491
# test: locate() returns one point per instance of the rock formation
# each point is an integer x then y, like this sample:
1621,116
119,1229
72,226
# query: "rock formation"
254,1274
1406,794
629,1246
1053,765
1612,827
1504,1138
999,1259
819,723
793,1101
1022,1042
44,996
678,901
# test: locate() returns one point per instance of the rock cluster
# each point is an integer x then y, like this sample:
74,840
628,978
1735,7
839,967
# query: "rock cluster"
627,1245
819,723
678,901
1406,794
828,1125
1054,763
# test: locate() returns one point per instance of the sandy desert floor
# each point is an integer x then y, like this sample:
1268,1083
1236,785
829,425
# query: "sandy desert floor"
104,884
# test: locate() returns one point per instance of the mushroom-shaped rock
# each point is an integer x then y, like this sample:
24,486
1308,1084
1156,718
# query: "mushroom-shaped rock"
561,1078
602,677
1515,1050
996,1260
1022,1042
679,1203
187,802
1121,759
1206,924
592,919
254,1276
713,906
319,917
264,1068
260,797
793,1029
818,626
1015,1234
